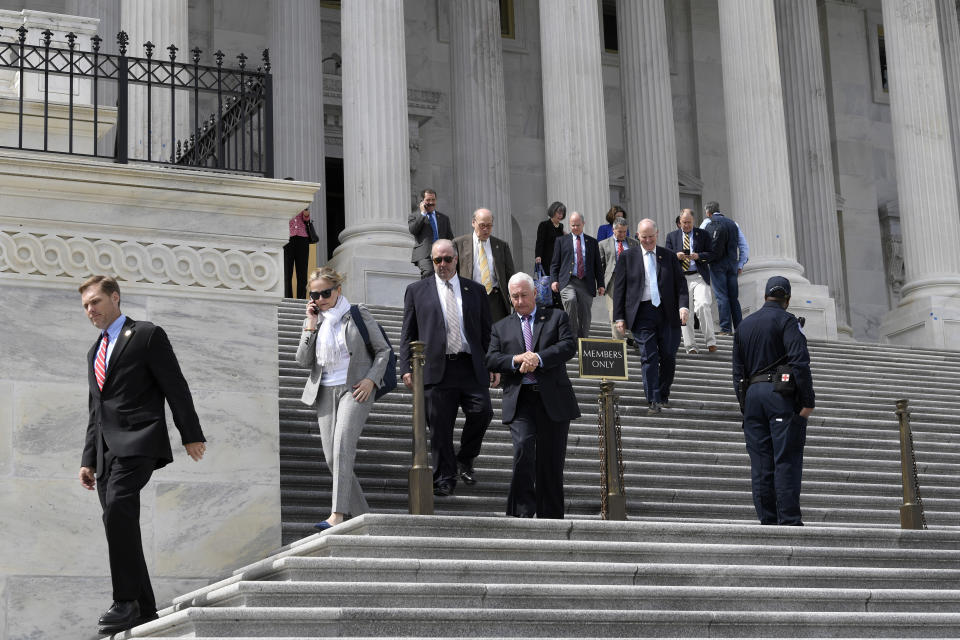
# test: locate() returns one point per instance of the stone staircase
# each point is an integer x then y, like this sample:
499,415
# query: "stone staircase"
691,561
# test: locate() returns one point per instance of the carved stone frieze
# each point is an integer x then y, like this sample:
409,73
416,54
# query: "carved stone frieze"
55,257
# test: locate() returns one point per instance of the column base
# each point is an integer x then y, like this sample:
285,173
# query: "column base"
812,301
376,273
929,322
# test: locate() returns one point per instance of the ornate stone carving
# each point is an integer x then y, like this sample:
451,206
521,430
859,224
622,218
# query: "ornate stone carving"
892,240
58,257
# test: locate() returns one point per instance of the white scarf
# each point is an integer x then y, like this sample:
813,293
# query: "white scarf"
330,337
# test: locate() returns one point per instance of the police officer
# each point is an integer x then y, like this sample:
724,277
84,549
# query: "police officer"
774,423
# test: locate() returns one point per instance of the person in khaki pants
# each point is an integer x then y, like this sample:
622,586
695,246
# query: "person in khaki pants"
611,249
341,385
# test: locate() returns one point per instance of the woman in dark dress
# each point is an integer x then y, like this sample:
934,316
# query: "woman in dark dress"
547,233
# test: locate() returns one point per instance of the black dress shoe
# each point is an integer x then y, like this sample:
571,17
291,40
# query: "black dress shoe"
443,489
466,473
655,407
631,342
120,617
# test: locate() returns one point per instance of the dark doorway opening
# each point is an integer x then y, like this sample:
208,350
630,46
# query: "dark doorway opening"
333,175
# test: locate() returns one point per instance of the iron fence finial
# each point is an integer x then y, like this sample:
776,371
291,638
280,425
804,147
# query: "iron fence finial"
122,40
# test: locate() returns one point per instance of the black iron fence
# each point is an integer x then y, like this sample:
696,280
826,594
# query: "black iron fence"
167,112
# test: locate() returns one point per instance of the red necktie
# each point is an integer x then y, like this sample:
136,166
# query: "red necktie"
100,365
579,259
619,248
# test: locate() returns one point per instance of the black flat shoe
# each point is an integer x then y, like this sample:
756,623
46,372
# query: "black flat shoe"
443,489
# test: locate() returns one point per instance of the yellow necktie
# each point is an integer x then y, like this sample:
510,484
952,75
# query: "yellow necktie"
485,270
686,247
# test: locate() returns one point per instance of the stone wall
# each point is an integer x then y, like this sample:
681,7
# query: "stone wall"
197,253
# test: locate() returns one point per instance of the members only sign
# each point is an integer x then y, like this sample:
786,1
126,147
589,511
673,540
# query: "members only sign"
603,358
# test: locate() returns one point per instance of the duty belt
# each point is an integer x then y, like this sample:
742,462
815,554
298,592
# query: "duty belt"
763,377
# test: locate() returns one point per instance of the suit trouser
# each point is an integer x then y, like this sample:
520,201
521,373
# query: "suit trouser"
426,267
458,388
341,419
608,299
578,303
119,489
701,299
727,289
657,340
539,452
775,436
498,308
296,253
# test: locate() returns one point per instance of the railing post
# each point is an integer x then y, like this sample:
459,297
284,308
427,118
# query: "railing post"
911,513
421,477
123,114
267,117
614,503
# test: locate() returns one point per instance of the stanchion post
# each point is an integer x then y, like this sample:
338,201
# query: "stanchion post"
911,513
616,503
420,481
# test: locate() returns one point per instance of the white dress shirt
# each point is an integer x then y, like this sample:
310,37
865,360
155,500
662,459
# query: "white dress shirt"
442,292
476,260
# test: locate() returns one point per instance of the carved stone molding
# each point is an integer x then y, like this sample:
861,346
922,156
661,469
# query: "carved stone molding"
51,258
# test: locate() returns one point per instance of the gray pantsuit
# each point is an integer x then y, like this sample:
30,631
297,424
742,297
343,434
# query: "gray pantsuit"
341,419
339,416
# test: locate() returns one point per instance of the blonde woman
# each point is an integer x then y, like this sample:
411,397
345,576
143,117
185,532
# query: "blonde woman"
341,385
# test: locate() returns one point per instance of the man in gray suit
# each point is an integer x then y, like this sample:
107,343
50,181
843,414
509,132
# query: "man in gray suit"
487,260
610,251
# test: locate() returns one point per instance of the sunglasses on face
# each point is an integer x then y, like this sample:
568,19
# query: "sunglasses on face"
316,295
439,259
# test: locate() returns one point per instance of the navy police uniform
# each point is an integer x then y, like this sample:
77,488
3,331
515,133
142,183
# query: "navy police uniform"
774,432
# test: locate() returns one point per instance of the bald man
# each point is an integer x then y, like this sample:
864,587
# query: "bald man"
486,259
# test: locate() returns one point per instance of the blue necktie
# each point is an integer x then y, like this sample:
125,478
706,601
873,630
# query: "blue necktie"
433,225
650,259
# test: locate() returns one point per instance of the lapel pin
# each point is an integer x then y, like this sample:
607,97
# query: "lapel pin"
127,333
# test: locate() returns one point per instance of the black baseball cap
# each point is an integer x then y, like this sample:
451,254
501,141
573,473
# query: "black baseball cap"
777,287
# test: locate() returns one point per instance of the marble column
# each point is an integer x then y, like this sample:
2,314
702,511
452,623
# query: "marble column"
575,135
650,145
295,52
481,168
162,23
375,245
760,195
808,146
929,311
950,37
108,12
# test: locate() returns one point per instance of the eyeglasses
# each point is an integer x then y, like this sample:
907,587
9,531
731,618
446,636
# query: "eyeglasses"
326,293
447,259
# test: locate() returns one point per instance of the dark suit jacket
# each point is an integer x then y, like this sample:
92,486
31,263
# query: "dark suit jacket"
554,342
502,262
142,372
562,269
724,234
423,320
702,246
628,279
420,227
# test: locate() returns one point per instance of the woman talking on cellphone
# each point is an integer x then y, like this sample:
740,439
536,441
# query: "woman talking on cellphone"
343,377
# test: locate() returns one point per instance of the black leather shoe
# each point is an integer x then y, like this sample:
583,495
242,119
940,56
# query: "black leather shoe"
655,407
443,489
631,342
466,473
120,617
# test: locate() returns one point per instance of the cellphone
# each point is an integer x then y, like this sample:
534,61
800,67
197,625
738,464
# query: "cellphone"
686,251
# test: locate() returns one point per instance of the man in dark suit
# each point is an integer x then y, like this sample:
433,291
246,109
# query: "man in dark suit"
452,316
132,371
650,297
692,246
427,225
577,274
530,349
486,259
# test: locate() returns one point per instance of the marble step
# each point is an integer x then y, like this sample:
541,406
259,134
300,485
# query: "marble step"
436,622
